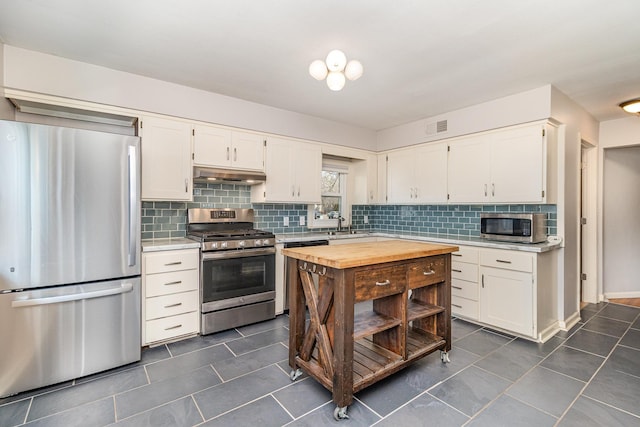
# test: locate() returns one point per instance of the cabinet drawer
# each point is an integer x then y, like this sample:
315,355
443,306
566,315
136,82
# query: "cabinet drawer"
379,282
426,272
464,271
464,307
170,327
464,254
508,260
161,262
170,283
170,305
464,289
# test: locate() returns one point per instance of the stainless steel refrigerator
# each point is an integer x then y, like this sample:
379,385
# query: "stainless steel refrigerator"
69,254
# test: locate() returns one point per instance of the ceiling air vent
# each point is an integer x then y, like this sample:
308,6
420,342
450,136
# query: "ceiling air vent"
434,128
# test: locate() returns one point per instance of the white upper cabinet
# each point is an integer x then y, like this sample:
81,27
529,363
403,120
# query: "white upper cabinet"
418,175
166,159
219,147
293,170
505,166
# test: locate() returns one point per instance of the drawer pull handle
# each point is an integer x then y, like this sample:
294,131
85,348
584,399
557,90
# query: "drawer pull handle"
173,327
174,263
457,287
173,305
428,273
456,305
503,261
456,254
177,282
385,283
457,271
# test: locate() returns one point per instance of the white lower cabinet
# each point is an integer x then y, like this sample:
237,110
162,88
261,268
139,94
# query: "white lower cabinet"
514,291
464,283
170,305
507,299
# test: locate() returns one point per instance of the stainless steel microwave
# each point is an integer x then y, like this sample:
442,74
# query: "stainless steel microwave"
514,227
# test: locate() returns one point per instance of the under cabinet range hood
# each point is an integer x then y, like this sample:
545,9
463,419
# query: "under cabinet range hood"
203,174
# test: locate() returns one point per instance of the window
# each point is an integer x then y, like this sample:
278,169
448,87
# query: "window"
334,198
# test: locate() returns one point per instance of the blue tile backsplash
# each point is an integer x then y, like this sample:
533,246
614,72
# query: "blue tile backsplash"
168,219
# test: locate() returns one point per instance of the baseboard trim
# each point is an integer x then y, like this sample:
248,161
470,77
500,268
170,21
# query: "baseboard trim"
628,294
570,322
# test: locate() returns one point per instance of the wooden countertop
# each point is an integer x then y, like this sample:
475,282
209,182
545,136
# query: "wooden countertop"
361,254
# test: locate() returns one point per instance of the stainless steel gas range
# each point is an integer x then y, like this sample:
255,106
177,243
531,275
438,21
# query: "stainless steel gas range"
237,268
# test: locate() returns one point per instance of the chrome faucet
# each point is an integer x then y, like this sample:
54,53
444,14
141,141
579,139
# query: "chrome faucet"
340,219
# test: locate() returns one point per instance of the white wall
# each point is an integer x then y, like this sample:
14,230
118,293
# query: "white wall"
578,125
617,249
46,74
520,108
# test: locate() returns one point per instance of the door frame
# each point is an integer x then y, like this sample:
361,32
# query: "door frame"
591,291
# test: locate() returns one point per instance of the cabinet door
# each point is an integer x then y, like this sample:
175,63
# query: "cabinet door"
211,146
166,159
247,151
517,165
307,165
430,173
401,181
469,170
279,186
506,300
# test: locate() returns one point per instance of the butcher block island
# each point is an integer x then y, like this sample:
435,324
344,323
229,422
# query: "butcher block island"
409,286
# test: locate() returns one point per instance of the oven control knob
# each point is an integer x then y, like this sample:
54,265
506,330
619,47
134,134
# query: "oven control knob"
258,242
241,243
214,245
223,245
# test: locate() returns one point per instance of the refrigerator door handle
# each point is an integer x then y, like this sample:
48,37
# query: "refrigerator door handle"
133,204
122,289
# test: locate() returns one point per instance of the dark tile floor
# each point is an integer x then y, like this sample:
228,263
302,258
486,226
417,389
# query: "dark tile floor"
589,376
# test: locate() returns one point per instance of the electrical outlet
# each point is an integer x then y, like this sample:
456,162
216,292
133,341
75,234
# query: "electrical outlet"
366,219
302,220
285,221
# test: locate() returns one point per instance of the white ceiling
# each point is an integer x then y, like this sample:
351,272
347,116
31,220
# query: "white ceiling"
421,57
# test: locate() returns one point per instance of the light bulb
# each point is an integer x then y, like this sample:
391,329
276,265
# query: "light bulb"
318,69
336,60
335,80
353,70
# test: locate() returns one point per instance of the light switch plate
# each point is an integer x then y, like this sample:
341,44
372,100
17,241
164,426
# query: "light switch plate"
302,220
366,219
285,221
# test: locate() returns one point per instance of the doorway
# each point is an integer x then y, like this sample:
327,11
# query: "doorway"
621,228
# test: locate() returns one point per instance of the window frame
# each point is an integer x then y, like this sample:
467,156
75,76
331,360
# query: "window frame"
345,208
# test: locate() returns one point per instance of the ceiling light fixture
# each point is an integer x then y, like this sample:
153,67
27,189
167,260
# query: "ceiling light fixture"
336,69
632,106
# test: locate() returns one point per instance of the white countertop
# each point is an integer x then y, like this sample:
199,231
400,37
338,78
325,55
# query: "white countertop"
426,237
153,245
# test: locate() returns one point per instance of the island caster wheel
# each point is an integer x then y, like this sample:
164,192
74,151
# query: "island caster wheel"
444,357
295,374
340,413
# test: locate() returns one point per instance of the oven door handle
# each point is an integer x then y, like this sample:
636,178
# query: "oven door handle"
243,253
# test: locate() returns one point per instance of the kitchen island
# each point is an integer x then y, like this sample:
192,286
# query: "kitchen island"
409,286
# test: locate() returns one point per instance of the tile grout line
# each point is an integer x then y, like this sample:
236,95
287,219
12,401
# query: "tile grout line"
613,348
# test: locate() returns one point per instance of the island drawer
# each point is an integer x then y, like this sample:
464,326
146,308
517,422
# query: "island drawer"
379,282
426,272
